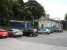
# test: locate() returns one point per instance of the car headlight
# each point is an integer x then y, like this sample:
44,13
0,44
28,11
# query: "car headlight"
47,30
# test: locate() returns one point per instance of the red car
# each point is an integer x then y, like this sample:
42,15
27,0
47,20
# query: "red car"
4,33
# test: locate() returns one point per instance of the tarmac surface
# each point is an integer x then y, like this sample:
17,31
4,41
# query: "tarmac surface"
57,39
54,41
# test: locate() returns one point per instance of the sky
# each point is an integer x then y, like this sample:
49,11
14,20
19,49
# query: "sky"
56,8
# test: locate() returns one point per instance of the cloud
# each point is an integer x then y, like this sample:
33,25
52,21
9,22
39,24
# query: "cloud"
56,8
25,0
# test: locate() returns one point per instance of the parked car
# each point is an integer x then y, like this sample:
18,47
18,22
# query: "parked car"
16,32
4,33
30,32
47,30
57,30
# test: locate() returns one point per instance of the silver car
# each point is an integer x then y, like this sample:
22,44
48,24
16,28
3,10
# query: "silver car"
16,32
45,30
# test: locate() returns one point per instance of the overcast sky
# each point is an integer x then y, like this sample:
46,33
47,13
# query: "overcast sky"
56,8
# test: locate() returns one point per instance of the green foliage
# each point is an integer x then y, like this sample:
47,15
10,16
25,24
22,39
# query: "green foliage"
3,8
3,12
18,9
35,9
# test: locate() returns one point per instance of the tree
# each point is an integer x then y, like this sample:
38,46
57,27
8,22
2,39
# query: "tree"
34,9
3,12
3,8
18,9
66,17
10,7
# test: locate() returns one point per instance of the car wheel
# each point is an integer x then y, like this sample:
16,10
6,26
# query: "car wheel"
33,35
48,33
20,35
4,37
61,31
